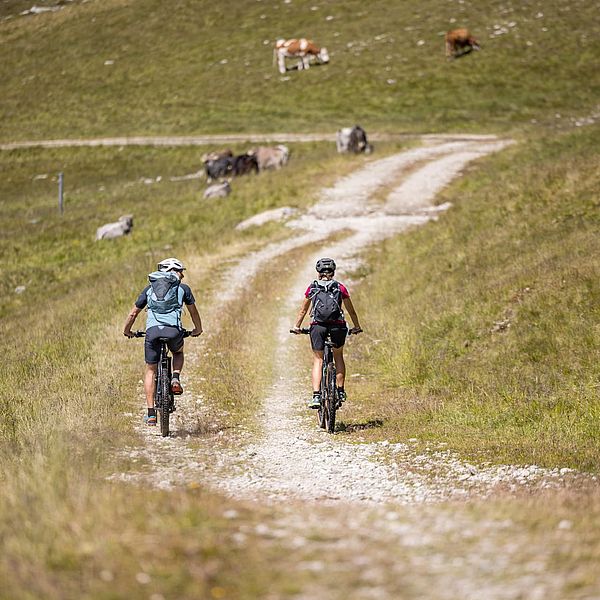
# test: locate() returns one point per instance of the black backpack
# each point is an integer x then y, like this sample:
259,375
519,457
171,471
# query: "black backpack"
326,299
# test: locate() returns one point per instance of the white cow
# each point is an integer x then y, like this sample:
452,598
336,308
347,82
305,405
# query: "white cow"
114,230
302,49
271,157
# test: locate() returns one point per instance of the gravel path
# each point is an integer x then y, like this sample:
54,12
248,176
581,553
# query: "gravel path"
293,458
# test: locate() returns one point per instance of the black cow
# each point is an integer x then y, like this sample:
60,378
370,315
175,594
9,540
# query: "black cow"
220,167
358,141
353,139
244,164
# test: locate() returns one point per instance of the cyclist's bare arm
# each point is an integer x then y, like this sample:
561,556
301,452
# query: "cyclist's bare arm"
195,319
352,314
302,313
131,317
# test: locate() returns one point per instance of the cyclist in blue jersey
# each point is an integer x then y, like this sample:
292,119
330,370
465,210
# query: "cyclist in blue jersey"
164,298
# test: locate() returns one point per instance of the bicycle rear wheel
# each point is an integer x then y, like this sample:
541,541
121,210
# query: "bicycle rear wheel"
330,400
321,415
163,389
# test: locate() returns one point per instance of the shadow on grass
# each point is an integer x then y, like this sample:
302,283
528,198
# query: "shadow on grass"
297,67
352,427
464,52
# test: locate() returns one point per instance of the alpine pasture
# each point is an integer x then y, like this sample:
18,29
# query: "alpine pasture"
481,328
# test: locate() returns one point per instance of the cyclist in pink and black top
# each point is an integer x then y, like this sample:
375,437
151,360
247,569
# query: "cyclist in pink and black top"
327,298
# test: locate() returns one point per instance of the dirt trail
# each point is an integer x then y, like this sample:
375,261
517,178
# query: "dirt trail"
364,520
217,139
293,458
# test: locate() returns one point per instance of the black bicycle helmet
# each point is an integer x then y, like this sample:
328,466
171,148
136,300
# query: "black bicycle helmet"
325,264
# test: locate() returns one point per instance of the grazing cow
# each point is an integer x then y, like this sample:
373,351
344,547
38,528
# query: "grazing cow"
353,139
459,42
302,49
219,190
114,230
271,158
219,167
244,164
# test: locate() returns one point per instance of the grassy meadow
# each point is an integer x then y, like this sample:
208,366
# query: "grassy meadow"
487,319
484,325
136,68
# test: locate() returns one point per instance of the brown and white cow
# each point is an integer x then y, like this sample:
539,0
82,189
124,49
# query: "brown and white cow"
302,49
271,157
459,42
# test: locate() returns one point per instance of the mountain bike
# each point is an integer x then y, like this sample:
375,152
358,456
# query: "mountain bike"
330,400
164,400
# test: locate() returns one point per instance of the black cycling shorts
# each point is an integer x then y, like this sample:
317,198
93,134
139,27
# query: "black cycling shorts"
152,342
318,335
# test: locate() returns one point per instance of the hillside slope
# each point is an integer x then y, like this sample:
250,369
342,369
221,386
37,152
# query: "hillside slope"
489,317
144,67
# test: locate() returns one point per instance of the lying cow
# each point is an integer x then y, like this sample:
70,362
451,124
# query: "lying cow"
218,190
218,167
271,158
244,164
353,139
114,230
459,42
302,49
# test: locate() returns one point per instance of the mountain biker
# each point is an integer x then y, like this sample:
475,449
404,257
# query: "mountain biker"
164,324
327,321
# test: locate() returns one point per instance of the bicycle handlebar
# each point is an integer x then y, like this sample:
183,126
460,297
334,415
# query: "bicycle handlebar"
306,331
140,333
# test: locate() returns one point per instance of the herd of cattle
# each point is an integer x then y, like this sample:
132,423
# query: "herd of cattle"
221,166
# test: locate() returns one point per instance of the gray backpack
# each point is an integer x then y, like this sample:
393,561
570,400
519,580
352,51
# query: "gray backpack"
163,293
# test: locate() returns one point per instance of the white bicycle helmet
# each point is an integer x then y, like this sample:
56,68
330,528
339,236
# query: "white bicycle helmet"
170,264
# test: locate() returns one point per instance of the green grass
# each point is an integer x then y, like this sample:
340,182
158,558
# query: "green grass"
169,74
488,317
